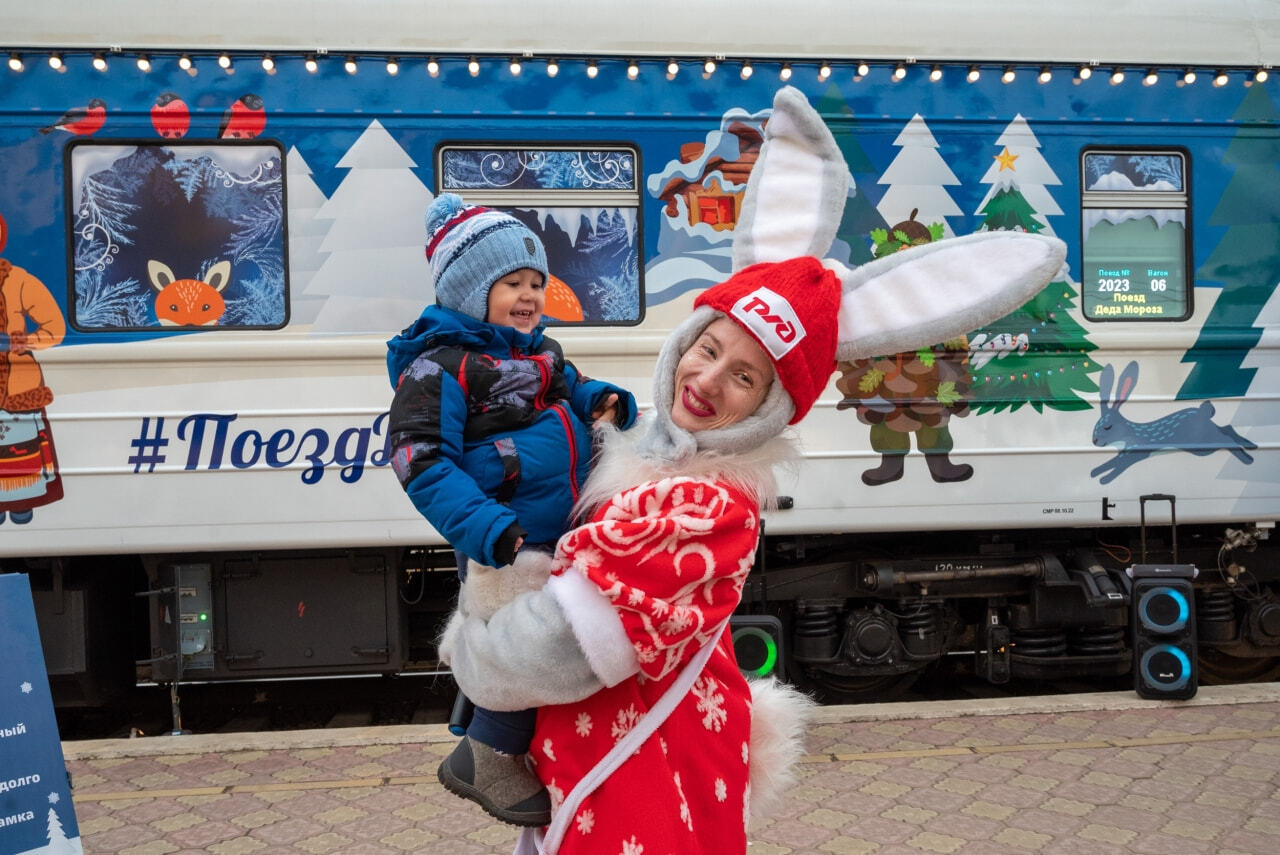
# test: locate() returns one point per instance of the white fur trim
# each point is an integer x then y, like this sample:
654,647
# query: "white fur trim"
780,716
596,625
449,637
622,465
488,589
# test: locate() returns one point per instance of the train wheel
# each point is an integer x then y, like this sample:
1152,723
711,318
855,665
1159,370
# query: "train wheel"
1221,669
832,688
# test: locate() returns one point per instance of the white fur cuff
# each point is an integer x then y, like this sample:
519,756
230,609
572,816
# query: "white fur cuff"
597,627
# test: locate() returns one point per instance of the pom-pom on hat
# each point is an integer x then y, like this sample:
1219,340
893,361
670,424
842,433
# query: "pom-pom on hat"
470,247
791,309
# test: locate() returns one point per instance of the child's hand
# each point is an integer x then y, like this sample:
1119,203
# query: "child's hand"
509,543
607,411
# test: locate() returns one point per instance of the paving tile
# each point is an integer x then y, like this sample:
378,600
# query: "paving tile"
119,837
1022,839
1251,842
963,826
203,835
239,846
801,837
1013,796
149,811
1263,825
847,846
1046,822
929,841
908,813
1080,846
287,831
938,801
1163,844
1107,834
321,844
151,847
989,810
1153,778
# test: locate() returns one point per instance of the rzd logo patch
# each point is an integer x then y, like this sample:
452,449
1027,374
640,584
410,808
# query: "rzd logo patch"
771,318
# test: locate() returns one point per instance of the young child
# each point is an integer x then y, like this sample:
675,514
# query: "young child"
490,427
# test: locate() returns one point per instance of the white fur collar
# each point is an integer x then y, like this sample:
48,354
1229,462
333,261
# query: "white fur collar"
621,466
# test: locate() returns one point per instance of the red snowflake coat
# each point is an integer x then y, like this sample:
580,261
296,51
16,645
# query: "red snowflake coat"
671,557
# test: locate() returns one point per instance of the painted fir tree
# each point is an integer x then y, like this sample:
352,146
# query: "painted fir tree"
917,180
860,214
1246,263
59,843
306,234
1037,355
374,273
1032,205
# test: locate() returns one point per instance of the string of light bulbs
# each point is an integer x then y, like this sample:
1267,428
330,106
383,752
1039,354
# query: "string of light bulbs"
516,66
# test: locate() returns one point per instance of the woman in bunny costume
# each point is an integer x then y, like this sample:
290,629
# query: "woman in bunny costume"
648,737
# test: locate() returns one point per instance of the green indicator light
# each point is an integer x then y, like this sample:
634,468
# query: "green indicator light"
765,668
204,616
770,659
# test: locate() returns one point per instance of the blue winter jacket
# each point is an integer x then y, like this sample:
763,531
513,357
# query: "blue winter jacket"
490,426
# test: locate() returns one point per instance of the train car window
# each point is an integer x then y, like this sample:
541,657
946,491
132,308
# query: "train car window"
176,234
1136,245
585,205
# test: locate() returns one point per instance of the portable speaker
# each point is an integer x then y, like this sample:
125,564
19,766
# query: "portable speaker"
1163,604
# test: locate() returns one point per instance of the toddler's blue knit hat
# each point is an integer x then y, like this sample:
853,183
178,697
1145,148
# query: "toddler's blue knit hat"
470,247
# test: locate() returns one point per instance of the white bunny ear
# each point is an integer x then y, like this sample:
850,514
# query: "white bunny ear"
931,293
796,193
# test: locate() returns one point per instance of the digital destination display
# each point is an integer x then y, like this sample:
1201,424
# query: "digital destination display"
1135,270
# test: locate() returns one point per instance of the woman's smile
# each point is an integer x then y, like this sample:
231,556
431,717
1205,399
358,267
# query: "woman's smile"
695,405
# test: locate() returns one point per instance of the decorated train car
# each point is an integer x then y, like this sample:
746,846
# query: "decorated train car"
211,221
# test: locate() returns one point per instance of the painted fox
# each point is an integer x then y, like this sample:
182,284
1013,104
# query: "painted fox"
189,302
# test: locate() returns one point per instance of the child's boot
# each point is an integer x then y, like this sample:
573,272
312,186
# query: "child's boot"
500,783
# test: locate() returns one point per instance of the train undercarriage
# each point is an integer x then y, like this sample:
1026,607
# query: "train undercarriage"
1027,607
858,617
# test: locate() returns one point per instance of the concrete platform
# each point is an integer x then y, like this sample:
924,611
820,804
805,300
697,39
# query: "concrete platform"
1097,773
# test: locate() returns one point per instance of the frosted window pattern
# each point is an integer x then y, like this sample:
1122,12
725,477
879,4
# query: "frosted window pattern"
538,169
584,203
176,236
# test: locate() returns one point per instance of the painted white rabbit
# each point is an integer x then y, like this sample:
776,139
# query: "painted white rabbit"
1190,429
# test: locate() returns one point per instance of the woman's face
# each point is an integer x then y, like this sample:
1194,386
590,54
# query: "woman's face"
721,379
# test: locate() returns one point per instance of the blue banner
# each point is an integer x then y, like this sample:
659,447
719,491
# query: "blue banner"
36,813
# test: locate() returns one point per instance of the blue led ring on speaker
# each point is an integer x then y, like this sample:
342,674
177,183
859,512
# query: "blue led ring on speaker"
1184,667
1184,609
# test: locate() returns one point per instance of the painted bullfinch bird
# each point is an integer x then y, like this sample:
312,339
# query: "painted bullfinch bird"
81,122
170,116
244,120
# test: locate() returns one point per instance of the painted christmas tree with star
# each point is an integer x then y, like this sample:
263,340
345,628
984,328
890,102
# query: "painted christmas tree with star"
1037,355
